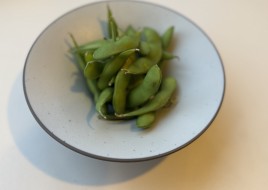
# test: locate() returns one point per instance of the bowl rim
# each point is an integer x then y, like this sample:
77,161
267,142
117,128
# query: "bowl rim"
88,154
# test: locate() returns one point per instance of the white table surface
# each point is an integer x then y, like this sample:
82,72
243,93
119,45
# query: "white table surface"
231,154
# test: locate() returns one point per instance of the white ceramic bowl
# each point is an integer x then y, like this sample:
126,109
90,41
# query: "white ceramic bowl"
59,101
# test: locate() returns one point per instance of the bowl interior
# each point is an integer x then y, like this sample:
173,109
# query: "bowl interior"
59,100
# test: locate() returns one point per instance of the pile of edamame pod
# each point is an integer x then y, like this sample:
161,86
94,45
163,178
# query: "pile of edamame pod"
123,71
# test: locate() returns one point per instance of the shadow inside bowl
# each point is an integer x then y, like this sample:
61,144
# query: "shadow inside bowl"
58,161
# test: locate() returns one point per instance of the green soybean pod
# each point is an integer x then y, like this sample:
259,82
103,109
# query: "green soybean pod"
91,84
146,120
78,55
155,45
88,56
167,37
104,97
113,48
93,70
168,56
111,82
130,60
112,25
130,31
120,92
109,71
113,30
155,53
112,67
135,81
140,66
93,89
90,46
152,48
161,98
144,48
143,64
146,89
151,35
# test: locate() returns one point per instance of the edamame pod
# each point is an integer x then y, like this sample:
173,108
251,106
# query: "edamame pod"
140,66
155,53
155,44
91,84
112,67
112,25
135,81
113,48
167,37
167,88
93,69
93,89
105,96
151,35
88,56
146,120
120,92
153,47
165,57
78,55
130,31
90,46
146,89
168,56
144,48
130,60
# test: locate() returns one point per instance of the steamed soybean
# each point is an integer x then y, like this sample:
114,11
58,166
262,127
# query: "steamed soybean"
123,72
